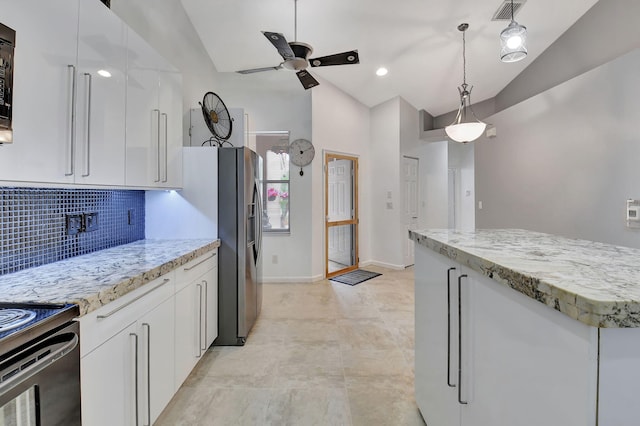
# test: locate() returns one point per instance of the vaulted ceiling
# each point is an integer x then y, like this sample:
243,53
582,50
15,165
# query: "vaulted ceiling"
417,40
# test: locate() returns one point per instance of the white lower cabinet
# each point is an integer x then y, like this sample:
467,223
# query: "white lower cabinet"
137,350
156,387
108,380
489,355
196,314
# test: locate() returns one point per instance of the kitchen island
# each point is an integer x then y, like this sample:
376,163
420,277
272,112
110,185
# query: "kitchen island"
522,328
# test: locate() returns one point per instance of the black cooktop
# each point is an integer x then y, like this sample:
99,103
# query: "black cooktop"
33,320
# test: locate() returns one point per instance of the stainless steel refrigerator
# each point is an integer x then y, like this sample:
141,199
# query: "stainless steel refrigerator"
240,252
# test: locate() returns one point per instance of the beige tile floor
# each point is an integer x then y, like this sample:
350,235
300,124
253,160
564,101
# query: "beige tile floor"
320,354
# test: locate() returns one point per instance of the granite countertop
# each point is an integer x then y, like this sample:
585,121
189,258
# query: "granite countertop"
95,279
595,283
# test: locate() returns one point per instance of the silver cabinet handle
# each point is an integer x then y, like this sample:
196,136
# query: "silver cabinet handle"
200,322
452,385
166,148
88,83
72,122
135,369
460,339
148,327
166,280
206,309
199,263
157,111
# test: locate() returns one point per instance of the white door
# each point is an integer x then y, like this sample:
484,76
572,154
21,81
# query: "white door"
340,195
170,105
410,208
100,113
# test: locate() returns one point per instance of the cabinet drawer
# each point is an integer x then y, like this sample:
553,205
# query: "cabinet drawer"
195,268
102,324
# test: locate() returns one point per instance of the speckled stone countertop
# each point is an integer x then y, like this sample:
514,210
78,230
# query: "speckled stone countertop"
595,283
95,279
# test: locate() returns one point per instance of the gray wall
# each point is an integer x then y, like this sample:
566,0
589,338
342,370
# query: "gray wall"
566,160
608,30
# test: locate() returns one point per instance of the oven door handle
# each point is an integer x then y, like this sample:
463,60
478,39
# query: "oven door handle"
57,346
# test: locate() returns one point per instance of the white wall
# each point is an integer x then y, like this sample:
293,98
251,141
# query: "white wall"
434,160
565,161
386,194
340,125
461,159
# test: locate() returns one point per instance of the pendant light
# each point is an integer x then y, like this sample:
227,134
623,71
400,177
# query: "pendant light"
466,127
513,41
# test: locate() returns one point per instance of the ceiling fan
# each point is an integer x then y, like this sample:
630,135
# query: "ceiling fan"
296,56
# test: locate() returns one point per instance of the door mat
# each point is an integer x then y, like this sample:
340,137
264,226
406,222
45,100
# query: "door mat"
355,277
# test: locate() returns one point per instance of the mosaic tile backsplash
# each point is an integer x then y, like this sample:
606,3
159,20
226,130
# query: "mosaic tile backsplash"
34,223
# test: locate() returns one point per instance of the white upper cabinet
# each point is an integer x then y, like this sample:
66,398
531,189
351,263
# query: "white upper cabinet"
100,113
154,118
43,90
72,124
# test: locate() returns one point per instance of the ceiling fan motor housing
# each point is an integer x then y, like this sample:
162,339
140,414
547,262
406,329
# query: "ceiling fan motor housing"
301,51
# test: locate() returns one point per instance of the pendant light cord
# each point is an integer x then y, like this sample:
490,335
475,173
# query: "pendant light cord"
512,10
464,61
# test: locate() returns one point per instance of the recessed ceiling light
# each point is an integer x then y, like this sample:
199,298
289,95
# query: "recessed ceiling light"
382,71
104,73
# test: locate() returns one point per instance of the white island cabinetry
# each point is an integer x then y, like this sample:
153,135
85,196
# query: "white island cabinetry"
488,352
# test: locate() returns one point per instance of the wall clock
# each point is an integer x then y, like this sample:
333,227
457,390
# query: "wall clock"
301,153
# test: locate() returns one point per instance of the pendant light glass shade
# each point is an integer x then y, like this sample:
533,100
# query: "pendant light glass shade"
466,127
513,41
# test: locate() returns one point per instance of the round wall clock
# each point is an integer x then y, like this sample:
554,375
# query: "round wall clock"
301,153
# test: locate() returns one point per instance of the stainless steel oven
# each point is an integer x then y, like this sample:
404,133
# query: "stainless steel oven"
40,367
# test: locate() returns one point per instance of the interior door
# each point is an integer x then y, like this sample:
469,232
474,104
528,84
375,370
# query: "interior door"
410,208
341,212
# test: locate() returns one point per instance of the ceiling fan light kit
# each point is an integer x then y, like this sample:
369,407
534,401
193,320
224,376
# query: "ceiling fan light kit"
466,127
296,54
513,41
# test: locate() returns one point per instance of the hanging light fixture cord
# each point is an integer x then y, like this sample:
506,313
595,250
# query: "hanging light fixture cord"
295,18
464,60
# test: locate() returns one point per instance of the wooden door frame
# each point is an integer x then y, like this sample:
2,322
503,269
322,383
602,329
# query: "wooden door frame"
355,221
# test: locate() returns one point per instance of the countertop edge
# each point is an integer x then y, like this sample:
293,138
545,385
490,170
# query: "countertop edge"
104,296
575,306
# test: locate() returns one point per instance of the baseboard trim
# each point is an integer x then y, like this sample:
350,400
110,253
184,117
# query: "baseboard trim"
302,280
382,265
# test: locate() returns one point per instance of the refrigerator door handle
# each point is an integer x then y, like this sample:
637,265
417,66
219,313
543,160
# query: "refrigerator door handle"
258,223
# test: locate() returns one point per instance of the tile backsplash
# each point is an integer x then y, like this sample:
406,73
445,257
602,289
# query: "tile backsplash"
33,223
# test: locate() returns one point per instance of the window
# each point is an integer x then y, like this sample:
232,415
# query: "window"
273,147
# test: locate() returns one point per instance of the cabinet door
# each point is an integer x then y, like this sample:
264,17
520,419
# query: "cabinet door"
436,360
170,128
156,330
188,331
43,94
527,363
100,113
108,380
143,145
211,307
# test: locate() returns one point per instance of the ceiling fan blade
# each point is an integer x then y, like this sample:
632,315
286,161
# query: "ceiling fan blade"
307,79
280,43
344,58
253,70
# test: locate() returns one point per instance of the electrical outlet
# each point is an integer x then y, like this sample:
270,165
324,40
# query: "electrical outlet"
73,223
131,217
91,222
